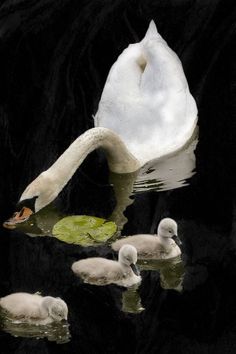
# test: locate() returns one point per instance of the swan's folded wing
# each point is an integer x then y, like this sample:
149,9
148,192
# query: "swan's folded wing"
146,92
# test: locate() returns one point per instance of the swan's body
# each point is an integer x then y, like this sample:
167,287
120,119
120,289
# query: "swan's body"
102,271
34,308
146,99
160,246
146,111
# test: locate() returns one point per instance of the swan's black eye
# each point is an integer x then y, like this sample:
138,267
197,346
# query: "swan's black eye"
29,203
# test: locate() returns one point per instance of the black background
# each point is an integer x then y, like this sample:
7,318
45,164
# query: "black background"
54,60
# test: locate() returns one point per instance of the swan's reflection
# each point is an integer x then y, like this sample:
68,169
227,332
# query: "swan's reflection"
171,271
57,331
166,173
41,223
169,172
123,185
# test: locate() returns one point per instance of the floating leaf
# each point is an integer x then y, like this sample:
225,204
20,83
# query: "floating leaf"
84,230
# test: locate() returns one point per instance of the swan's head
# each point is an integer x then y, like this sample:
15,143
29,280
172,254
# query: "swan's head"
39,193
56,307
128,256
168,228
42,191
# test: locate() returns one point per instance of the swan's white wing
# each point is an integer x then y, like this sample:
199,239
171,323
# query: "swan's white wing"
146,99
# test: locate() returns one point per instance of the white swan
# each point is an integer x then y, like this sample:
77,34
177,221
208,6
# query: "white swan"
34,308
146,99
160,246
102,271
146,111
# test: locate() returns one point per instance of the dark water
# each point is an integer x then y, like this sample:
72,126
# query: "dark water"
188,307
55,58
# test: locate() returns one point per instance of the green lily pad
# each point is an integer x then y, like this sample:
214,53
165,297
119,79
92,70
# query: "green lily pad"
84,230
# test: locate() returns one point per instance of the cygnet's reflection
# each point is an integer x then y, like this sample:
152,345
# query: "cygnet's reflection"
171,277
171,271
57,331
131,301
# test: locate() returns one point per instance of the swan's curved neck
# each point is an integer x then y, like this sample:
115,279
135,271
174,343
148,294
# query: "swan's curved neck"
120,160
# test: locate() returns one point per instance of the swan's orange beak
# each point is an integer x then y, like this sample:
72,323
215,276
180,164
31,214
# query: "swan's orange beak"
18,217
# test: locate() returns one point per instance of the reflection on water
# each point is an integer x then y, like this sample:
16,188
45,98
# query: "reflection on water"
41,223
104,319
123,187
131,301
56,332
171,271
166,173
171,277
169,172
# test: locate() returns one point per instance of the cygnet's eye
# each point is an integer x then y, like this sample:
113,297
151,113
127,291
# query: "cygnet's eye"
170,231
61,313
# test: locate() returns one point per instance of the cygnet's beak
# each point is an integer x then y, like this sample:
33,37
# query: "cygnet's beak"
18,217
177,240
135,268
